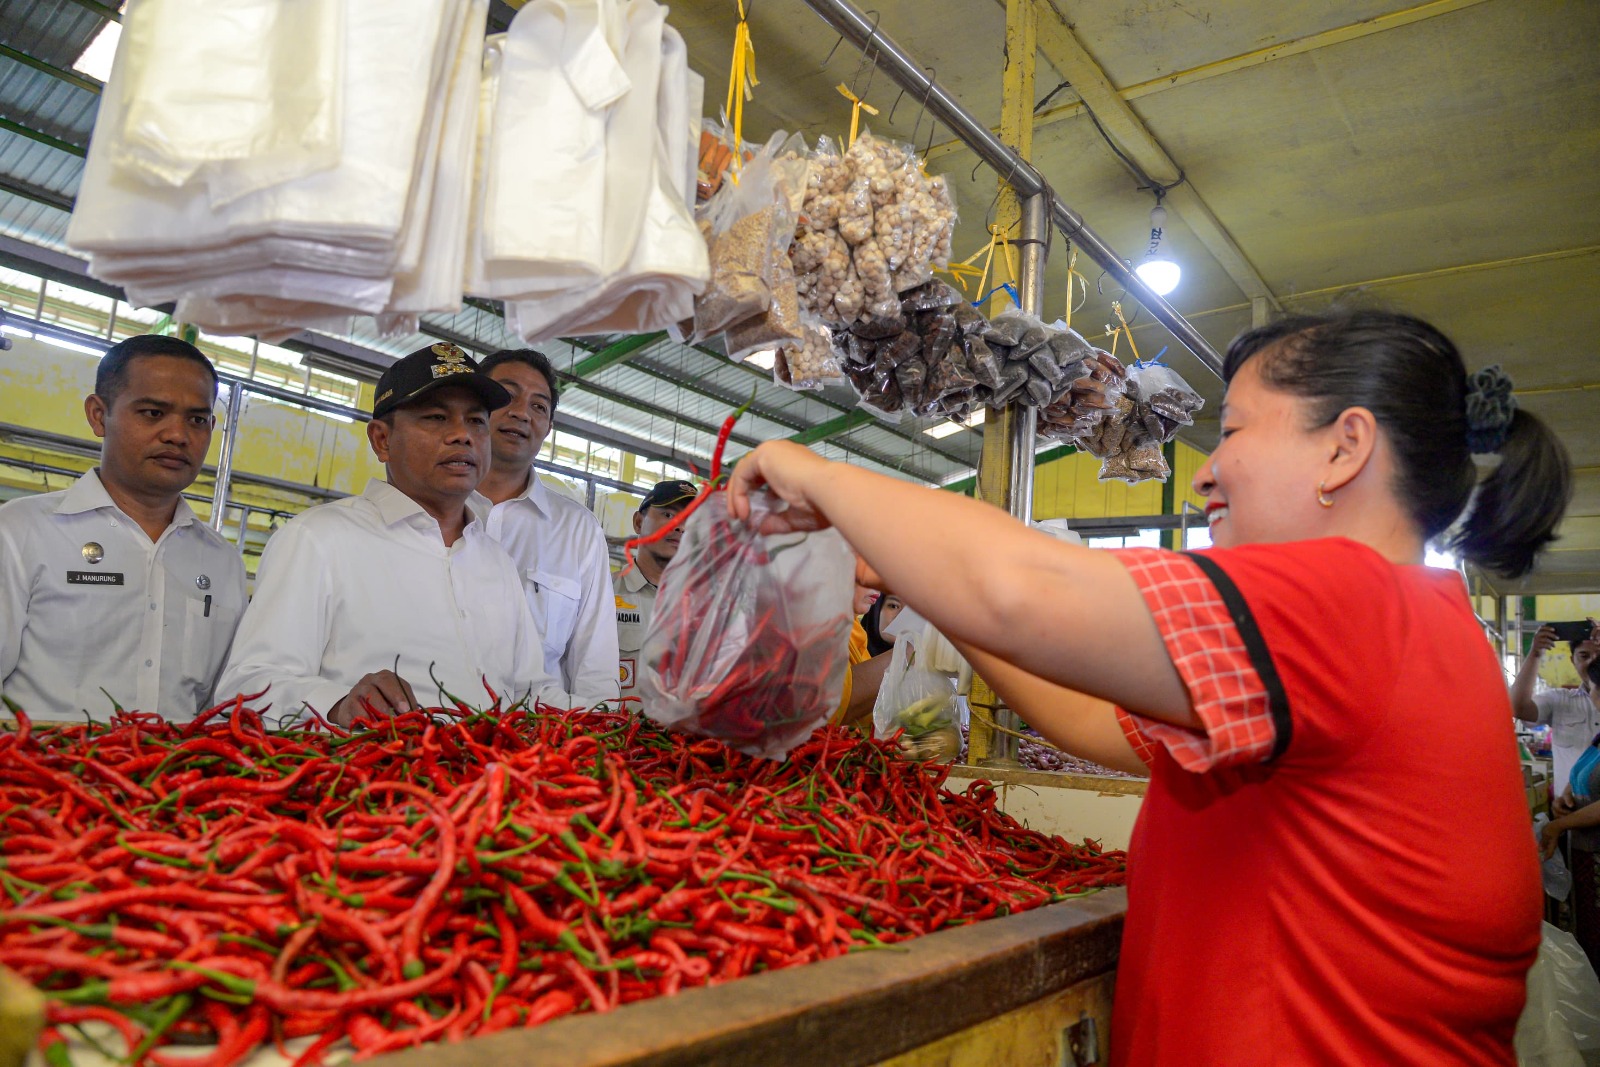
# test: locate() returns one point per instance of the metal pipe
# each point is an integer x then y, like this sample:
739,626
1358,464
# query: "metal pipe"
861,31
1022,433
230,437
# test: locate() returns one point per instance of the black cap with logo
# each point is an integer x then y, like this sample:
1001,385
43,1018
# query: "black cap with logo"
665,494
430,368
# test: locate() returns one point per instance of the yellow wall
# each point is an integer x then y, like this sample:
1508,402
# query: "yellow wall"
1070,488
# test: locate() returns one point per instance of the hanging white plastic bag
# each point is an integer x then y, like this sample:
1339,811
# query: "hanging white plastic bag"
1561,1020
254,99
749,638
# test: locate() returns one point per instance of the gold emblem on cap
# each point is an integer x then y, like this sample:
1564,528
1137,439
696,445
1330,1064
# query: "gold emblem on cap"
93,553
449,353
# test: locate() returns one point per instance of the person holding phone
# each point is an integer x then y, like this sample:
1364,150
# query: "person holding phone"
1573,715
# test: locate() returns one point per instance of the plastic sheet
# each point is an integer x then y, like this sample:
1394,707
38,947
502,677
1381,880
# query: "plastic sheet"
1561,1020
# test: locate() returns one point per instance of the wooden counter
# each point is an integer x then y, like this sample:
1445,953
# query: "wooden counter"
1001,990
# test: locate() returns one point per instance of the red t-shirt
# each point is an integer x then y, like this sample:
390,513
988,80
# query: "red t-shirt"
1341,868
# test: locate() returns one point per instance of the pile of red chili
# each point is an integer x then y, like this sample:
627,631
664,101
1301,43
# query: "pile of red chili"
441,875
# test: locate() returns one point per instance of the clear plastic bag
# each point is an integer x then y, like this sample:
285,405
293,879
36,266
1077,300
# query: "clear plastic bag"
1167,395
779,327
752,225
1561,1019
811,365
915,697
749,638
1557,879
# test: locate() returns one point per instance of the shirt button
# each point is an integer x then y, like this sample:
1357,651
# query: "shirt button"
147,663
152,605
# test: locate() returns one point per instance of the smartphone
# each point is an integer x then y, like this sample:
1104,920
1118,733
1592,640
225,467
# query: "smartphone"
1572,633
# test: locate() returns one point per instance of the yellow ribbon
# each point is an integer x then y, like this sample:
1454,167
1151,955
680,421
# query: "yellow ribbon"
1116,307
857,106
741,80
1072,272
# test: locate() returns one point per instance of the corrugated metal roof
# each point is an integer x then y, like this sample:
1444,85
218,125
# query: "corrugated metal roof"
46,103
39,165
56,31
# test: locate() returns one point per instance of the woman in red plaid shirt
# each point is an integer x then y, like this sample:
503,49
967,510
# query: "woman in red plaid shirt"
1333,863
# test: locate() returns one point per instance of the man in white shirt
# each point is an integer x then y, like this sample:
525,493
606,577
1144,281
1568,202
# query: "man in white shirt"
112,590
636,588
364,602
1572,714
556,542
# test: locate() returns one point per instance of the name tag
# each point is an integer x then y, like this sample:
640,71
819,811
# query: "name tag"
623,617
94,578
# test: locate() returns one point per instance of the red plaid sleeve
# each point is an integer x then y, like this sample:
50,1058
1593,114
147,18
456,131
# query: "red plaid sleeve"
1143,747
1201,634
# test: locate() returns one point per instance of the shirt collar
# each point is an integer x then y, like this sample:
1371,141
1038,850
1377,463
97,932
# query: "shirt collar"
635,580
537,496
394,507
89,493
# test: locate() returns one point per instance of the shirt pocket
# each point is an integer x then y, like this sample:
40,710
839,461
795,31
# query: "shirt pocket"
202,631
555,600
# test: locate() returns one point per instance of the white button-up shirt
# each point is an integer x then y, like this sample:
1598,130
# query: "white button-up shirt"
89,603
560,551
1573,723
367,584
635,600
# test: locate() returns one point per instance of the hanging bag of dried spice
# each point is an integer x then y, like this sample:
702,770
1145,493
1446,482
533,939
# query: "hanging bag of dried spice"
749,639
752,219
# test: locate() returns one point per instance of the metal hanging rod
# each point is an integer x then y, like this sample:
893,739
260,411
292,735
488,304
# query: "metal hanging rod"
854,25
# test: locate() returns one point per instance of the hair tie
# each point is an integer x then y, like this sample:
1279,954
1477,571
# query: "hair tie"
1490,409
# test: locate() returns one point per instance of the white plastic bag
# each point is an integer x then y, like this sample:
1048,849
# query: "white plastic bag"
1561,1020
750,635
918,693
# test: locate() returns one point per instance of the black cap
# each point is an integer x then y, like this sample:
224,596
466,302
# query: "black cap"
429,368
665,494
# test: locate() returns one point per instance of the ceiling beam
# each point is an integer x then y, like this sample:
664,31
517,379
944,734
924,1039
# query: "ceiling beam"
71,77
614,353
1284,49
833,427
1061,47
35,194
43,138
103,10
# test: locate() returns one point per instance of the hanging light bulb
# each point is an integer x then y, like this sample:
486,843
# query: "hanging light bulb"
1155,270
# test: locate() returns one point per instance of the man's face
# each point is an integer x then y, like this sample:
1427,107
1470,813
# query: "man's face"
158,426
650,520
517,431
1582,656
437,451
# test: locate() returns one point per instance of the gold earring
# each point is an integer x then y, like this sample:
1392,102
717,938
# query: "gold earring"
1322,495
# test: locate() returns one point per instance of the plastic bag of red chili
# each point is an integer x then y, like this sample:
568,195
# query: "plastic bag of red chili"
749,639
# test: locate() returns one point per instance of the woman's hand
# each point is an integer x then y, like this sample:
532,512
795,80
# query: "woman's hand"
789,471
1549,837
1565,804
